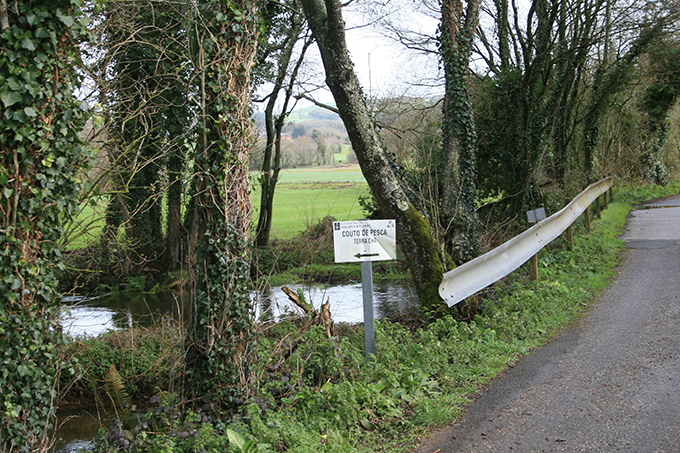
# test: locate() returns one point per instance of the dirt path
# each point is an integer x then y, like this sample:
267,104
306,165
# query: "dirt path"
612,383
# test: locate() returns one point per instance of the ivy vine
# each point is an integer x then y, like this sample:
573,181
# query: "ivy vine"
222,330
459,142
42,161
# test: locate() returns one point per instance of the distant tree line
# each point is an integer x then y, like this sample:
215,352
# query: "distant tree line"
304,146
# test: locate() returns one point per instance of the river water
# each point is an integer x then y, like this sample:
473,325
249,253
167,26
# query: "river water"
94,315
83,316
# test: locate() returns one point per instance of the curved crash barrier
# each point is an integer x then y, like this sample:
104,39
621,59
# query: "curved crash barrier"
477,274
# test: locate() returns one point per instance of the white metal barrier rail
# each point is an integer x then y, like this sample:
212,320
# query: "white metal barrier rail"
477,274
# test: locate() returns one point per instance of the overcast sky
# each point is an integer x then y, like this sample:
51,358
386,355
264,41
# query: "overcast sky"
384,68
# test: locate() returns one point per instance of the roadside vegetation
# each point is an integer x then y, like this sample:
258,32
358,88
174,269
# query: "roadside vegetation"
319,393
130,162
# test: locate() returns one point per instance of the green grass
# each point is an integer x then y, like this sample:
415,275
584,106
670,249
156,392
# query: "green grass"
322,174
640,193
87,227
303,197
299,205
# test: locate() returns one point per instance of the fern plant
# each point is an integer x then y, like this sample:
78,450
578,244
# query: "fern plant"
115,388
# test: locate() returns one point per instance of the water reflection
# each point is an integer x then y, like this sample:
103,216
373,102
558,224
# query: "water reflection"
346,301
94,316
76,427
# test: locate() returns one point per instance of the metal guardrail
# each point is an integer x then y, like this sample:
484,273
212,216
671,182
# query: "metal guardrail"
477,274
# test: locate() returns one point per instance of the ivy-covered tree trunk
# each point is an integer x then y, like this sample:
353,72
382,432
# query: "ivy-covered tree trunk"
42,161
459,140
422,252
174,238
222,331
534,110
574,37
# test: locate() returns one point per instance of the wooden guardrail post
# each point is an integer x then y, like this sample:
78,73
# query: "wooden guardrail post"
604,197
598,209
611,194
570,236
533,268
587,218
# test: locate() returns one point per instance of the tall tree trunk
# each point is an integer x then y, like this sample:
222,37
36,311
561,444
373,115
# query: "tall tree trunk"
221,333
42,164
535,111
503,27
423,253
459,139
173,240
146,64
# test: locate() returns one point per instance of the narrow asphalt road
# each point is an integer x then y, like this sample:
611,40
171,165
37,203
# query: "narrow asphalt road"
611,383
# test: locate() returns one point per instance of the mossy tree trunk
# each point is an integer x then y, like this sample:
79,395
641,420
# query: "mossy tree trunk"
426,260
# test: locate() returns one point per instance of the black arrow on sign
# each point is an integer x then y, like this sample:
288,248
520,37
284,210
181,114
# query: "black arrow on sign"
366,255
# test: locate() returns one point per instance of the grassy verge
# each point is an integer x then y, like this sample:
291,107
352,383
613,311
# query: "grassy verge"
316,394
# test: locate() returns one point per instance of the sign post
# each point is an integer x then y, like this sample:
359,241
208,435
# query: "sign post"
365,241
369,317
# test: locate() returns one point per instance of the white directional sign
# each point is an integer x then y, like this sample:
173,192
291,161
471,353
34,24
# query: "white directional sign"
365,240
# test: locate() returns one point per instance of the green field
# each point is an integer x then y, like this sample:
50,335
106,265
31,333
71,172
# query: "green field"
304,196
321,174
87,227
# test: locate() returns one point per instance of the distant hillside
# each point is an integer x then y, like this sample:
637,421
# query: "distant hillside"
312,136
317,117
313,113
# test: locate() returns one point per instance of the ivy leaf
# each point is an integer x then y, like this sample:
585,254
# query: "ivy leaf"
13,84
67,20
16,284
19,115
30,112
9,98
27,44
24,370
42,33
